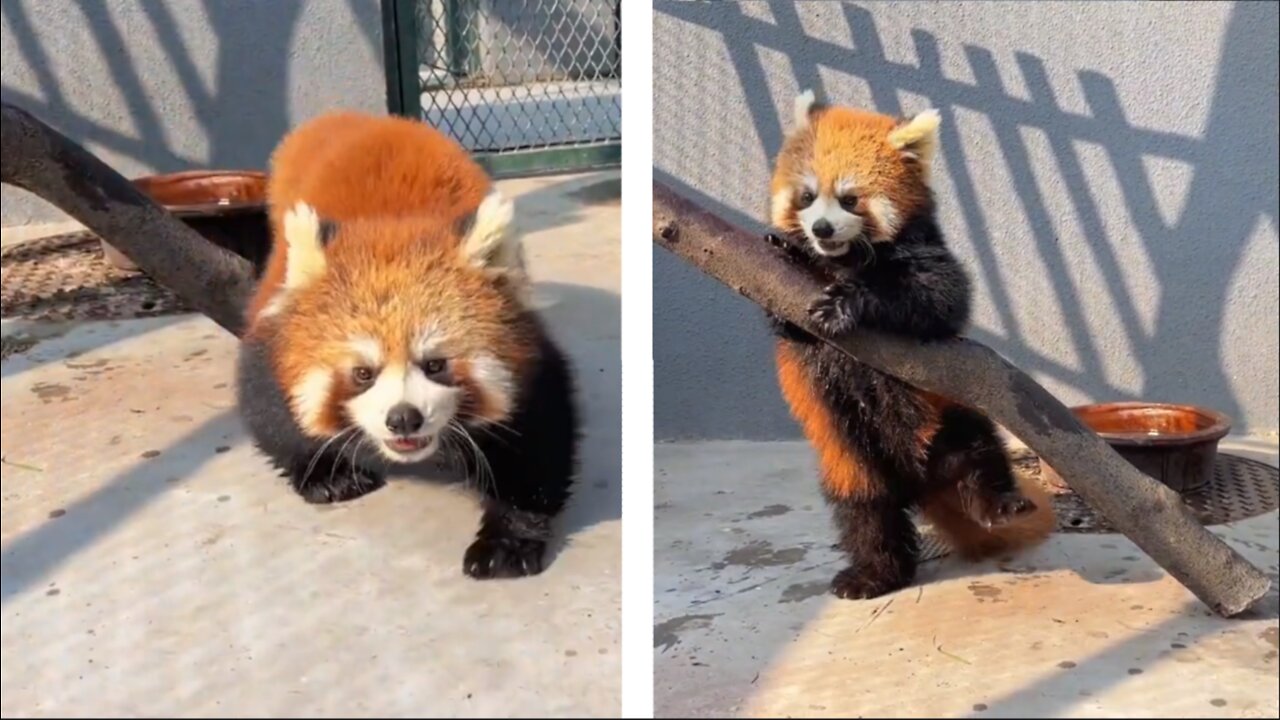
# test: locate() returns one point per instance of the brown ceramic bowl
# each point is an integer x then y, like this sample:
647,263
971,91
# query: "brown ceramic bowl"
1175,444
227,207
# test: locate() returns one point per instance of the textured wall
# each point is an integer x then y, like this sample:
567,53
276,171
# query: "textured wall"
1108,174
162,86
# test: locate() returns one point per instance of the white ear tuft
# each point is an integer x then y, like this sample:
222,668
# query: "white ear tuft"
492,240
803,105
918,138
304,260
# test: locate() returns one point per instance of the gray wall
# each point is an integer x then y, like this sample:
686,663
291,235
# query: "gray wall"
1108,174
162,86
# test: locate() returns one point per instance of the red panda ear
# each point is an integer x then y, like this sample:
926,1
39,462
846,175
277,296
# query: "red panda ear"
304,238
490,238
806,107
917,138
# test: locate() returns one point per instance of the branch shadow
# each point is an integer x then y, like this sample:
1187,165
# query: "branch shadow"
34,555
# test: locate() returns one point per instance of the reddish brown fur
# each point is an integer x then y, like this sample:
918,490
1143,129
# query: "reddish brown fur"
339,164
394,264
944,509
844,474
384,278
847,144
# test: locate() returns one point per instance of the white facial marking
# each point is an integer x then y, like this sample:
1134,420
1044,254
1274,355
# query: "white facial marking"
310,397
845,226
886,216
430,341
368,350
496,381
405,385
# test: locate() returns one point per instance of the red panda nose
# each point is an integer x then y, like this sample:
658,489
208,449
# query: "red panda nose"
404,419
822,229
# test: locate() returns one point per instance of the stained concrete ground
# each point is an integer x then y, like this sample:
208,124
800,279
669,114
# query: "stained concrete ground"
1083,626
153,565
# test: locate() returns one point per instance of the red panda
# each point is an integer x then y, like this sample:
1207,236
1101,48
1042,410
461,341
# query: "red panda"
850,196
389,325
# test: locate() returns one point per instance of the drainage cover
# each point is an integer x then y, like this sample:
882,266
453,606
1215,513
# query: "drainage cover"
65,278
1241,488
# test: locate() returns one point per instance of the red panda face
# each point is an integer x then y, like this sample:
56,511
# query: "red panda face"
846,176
399,341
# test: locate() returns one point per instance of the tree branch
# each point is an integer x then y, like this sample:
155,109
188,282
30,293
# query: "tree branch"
1147,512
39,159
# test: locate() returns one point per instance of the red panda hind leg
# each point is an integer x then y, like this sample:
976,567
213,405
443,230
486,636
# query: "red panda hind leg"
973,498
874,524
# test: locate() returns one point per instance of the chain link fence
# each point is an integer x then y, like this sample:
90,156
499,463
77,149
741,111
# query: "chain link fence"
527,85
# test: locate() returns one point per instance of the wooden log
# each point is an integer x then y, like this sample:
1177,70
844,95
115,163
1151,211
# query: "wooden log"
41,160
1147,512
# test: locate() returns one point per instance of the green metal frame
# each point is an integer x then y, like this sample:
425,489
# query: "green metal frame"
400,57
404,88
548,161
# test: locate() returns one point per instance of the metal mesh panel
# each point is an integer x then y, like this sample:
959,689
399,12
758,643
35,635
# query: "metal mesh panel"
516,77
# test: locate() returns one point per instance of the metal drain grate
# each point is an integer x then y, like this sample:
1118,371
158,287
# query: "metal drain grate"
1241,488
65,278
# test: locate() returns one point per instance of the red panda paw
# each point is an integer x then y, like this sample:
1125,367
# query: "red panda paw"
1002,509
859,583
503,556
333,480
785,247
832,314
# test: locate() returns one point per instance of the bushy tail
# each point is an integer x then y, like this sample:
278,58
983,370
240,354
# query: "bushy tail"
972,541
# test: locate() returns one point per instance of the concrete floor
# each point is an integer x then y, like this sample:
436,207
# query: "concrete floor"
154,566
1084,626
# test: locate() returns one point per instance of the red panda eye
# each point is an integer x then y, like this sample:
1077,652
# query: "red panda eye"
806,198
849,202
362,375
435,366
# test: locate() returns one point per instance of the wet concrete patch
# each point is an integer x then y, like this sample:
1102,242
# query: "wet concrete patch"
51,392
984,592
800,592
760,554
666,635
770,511
13,344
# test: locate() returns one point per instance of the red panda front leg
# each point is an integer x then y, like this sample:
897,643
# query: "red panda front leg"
331,477
525,468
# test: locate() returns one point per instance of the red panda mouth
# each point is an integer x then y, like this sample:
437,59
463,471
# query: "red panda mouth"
409,444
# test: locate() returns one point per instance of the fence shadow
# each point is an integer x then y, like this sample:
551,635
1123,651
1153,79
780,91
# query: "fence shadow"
1192,259
1176,339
